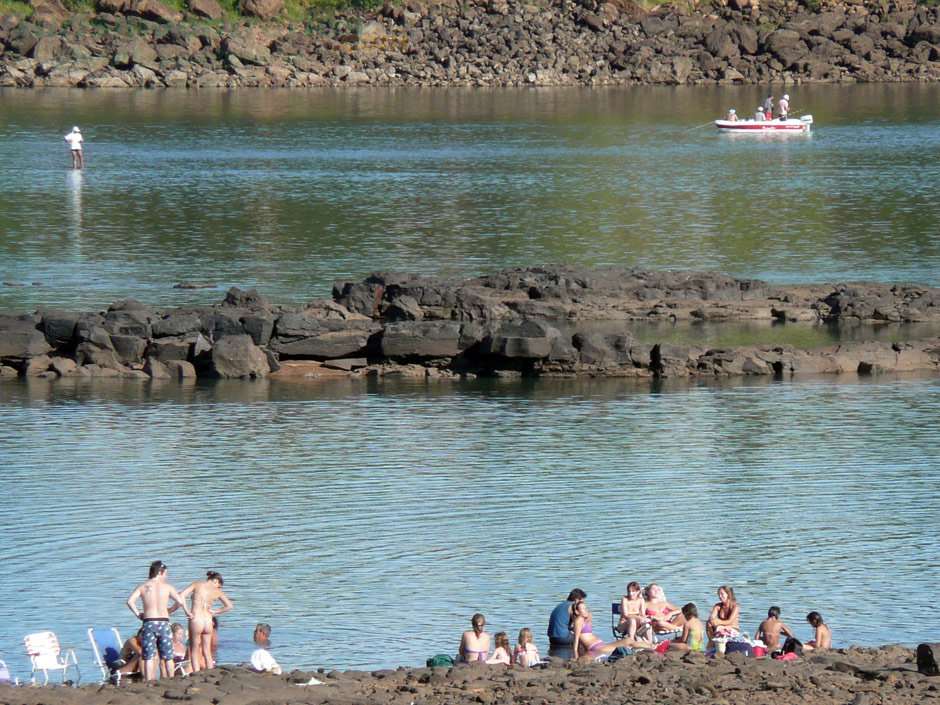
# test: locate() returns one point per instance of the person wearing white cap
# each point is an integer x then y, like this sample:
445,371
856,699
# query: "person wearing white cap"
75,139
783,107
732,115
760,116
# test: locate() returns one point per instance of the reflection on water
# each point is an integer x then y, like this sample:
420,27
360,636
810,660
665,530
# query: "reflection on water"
367,521
290,191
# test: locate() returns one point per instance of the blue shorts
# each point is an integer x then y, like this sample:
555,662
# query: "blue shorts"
156,636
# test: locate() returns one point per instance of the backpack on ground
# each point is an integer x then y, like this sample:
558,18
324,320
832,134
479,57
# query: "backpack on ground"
440,660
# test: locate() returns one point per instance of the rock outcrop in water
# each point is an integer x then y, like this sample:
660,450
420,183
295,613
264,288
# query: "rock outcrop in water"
144,43
855,676
554,321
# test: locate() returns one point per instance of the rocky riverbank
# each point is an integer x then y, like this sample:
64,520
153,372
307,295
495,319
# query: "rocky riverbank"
145,43
563,321
885,676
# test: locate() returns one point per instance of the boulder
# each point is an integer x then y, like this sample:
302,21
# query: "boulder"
262,9
321,339
64,366
51,13
928,659
47,48
205,8
178,323
404,308
529,340
59,326
129,349
181,369
134,52
787,46
603,349
156,369
37,366
236,298
238,356
20,339
166,349
246,50
153,10
422,339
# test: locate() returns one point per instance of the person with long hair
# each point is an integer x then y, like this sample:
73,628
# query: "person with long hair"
632,611
823,637
204,595
587,643
663,616
474,643
723,620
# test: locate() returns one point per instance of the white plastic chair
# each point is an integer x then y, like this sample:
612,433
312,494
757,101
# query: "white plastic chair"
45,655
5,674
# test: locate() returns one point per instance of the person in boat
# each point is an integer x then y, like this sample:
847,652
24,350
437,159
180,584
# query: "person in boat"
769,107
760,116
474,643
783,107
732,116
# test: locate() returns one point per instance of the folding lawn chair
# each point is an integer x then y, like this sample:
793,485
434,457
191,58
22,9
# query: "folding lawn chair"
45,655
5,674
106,645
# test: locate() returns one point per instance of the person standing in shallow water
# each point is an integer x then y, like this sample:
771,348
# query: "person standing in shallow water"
204,594
155,635
75,140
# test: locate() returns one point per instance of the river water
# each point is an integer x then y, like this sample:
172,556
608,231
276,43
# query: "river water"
367,521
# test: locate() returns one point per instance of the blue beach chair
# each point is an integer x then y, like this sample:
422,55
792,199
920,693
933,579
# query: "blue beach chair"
106,644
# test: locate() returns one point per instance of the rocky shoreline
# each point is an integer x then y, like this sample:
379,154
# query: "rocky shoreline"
563,321
145,43
889,675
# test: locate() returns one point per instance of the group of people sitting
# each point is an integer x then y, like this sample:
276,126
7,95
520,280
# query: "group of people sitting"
766,111
645,617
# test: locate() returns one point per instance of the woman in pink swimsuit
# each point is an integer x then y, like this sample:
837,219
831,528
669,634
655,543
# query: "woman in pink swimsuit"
663,616
587,643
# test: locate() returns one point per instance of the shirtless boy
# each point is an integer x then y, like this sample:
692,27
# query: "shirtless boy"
771,628
156,635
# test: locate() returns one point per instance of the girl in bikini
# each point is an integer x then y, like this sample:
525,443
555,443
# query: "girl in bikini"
633,612
587,643
205,593
723,620
526,653
475,643
663,616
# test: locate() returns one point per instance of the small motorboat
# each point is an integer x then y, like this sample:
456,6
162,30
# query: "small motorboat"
801,124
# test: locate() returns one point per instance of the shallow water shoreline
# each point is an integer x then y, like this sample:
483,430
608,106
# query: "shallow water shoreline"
887,675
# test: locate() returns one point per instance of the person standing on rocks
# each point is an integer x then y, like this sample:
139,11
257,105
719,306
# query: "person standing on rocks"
155,635
75,139
558,632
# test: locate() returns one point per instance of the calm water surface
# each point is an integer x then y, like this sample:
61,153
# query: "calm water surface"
366,522
290,191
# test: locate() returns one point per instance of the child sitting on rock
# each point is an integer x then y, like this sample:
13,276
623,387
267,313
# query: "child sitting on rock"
501,654
526,653
771,628
693,631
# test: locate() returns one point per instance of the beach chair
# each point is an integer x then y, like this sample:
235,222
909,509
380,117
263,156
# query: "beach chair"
106,644
5,674
45,655
615,620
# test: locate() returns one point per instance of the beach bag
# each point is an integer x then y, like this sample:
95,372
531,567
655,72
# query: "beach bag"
440,660
793,646
739,647
662,647
619,653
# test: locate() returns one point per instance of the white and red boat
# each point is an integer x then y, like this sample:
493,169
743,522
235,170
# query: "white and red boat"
801,124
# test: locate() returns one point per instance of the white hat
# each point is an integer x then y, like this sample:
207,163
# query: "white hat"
731,111
75,129
786,96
